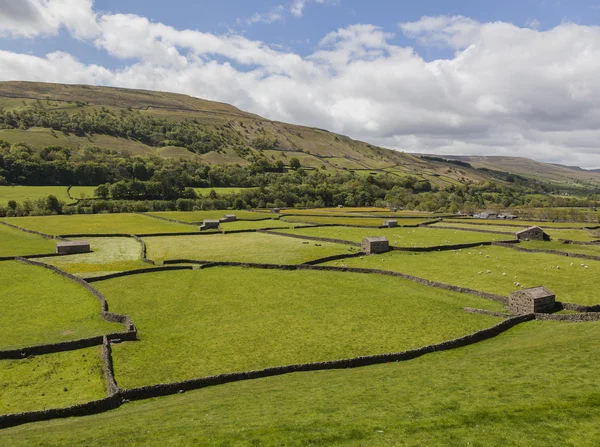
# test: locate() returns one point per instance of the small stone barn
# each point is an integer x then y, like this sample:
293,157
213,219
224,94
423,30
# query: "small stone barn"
229,218
72,247
534,300
210,224
532,234
390,223
275,210
375,245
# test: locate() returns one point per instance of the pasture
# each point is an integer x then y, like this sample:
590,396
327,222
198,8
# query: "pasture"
109,255
239,319
519,222
98,224
469,268
534,385
14,242
242,247
401,237
199,216
41,307
22,193
51,381
356,221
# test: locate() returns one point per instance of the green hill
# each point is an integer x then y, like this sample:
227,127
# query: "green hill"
179,126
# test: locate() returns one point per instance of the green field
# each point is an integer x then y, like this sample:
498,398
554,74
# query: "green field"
98,224
534,385
51,381
109,255
199,216
519,222
22,193
553,232
238,319
593,250
571,283
82,192
14,242
401,237
258,225
367,222
40,307
242,247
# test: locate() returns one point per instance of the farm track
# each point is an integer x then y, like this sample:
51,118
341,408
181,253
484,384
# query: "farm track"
117,396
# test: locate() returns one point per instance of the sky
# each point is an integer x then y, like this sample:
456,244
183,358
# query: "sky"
461,77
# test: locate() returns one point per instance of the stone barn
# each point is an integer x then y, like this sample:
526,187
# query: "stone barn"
390,223
532,234
375,245
276,211
210,224
534,300
72,247
229,218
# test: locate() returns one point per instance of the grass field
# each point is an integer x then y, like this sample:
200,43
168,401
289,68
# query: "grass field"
593,250
401,237
571,283
199,216
258,224
98,224
367,222
242,247
519,222
51,381
109,255
14,242
22,193
85,192
40,307
536,385
239,319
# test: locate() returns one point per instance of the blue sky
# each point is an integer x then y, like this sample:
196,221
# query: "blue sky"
448,77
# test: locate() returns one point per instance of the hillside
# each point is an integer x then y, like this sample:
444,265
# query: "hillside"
226,135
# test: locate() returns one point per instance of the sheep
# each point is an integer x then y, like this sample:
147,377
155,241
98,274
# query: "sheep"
489,271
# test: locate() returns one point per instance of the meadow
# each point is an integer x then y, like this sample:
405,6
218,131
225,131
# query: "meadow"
14,242
98,224
536,384
199,216
242,247
571,281
519,222
40,307
108,255
239,319
401,237
366,222
22,193
51,381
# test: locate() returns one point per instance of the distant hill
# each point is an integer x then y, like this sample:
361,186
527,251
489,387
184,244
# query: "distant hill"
235,136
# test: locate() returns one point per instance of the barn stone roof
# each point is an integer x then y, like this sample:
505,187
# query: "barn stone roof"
529,229
71,243
376,239
536,292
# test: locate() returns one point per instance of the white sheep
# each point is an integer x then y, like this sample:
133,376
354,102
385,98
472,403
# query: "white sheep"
489,271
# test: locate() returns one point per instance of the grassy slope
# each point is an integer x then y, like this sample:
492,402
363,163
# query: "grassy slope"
40,307
98,224
244,247
51,381
401,237
573,284
108,255
14,242
524,387
232,319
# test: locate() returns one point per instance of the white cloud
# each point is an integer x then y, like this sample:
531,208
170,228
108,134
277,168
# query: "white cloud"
507,90
274,15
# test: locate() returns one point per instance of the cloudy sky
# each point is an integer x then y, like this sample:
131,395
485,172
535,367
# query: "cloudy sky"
511,77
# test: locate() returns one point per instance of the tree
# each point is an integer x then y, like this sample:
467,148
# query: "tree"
102,191
295,163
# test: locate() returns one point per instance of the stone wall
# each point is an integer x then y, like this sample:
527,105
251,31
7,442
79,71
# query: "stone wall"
138,272
474,230
37,233
552,252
